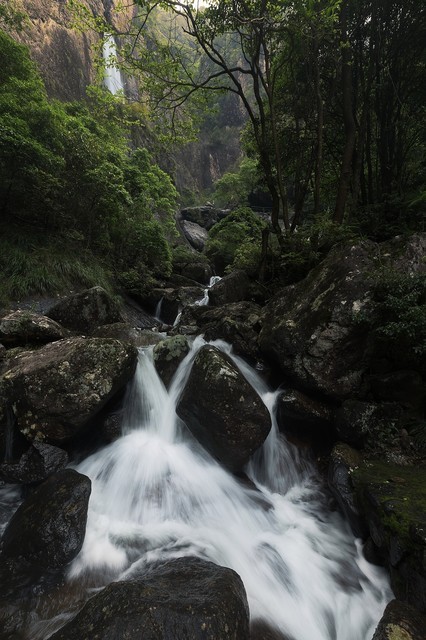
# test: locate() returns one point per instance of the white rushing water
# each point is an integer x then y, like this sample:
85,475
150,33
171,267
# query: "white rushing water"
158,495
113,80
205,299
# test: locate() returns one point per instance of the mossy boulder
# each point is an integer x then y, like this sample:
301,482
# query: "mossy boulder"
392,499
56,390
86,310
231,288
182,599
222,410
25,327
401,622
168,354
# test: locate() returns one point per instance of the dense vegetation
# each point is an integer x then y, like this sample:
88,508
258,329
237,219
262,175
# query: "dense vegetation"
78,207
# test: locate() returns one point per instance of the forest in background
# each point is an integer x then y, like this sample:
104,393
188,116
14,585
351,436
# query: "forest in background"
334,97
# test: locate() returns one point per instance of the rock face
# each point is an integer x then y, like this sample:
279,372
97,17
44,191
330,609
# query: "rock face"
400,622
57,389
196,235
86,310
181,599
47,530
308,329
168,355
222,410
206,216
300,416
25,327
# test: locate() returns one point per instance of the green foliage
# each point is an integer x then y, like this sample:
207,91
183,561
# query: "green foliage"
233,188
400,309
231,240
66,171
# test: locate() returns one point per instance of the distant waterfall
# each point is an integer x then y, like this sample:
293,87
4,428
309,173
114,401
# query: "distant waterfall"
112,79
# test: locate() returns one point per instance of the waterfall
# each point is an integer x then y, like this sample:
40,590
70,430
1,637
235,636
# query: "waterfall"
157,494
157,313
113,80
205,299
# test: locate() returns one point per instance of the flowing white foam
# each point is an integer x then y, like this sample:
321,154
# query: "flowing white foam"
158,495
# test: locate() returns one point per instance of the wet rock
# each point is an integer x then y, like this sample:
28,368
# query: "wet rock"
406,387
309,330
180,599
168,355
126,333
343,460
222,410
86,310
231,288
304,417
58,389
24,327
195,234
46,532
400,622
35,465
392,499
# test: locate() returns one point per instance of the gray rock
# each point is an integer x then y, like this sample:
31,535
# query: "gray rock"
168,355
86,310
180,599
196,235
124,332
57,389
23,327
400,621
204,216
359,423
46,532
222,410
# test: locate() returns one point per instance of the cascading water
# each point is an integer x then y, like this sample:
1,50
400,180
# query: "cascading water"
112,78
205,299
158,495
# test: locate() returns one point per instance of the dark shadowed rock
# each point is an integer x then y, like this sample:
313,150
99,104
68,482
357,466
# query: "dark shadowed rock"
261,630
35,465
168,355
47,530
205,216
183,599
86,310
222,410
23,327
401,622
359,423
304,417
231,288
56,390
343,460
198,271
126,333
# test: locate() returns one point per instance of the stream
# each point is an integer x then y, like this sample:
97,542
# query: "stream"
157,494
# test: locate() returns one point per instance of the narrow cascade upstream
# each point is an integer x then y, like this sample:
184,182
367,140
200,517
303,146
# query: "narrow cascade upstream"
205,299
158,495
112,79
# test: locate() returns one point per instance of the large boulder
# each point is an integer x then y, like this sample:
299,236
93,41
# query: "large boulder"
222,410
25,327
186,598
206,216
195,234
86,310
231,288
360,423
303,417
58,389
309,330
46,532
168,355
400,622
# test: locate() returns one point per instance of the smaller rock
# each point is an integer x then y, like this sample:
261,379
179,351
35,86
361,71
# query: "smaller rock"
400,621
303,417
24,327
35,465
232,288
168,355
86,310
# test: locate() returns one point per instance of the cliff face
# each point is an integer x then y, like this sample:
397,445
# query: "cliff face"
64,55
